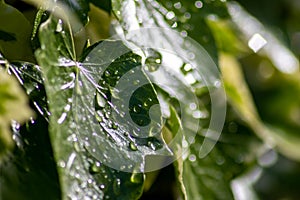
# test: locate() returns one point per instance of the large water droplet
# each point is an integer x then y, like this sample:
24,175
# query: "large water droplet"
132,146
136,178
153,60
100,100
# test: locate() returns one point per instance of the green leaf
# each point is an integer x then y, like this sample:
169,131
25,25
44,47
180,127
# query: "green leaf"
14,34
274,49
187,20
226,38
241,99
80,173
5,36
30,77
122,86
191,20
210,177
80,8
29,172
13,106
103,4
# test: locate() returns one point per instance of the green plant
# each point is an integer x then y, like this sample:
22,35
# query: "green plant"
68,149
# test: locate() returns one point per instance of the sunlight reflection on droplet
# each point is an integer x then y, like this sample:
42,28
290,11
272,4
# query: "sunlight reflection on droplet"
256,42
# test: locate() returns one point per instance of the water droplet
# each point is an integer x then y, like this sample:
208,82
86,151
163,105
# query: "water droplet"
117,186
170,15
198,114
220,160
114,126
62,164
137,178
132,146
187,15
95,167
153,60
192,158
99,116
217,84
100,100
183,33
154,145
106,73
177,5
136,109
198,4
193,106
151,145
102,186
62,118
76,146
59,26
136,82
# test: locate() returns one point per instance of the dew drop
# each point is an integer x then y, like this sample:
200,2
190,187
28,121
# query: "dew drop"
177,5
153,60
114,126
183,33
117,186
106,73
136,178
192,158
154,145
62,164
102,186
136,82
170,15
95,168
132,146
220,160
187,15
59,26
62,118
100,100
99,116
136,109
198,4
151,145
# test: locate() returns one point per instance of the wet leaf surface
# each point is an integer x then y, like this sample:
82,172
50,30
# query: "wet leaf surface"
81,175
